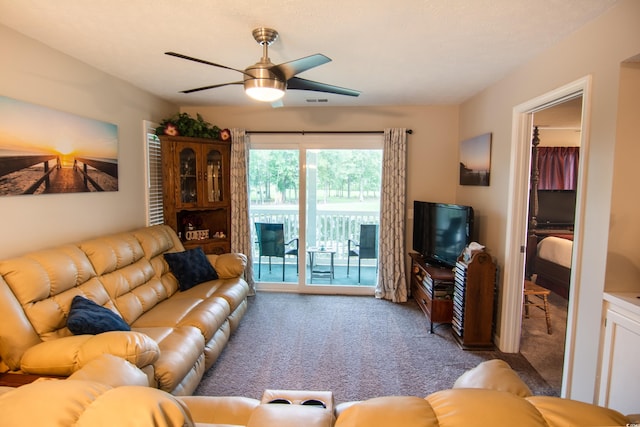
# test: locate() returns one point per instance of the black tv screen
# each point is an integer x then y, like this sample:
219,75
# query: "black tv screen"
556,208
441,231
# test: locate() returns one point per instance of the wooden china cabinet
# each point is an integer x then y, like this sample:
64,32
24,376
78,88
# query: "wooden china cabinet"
196,191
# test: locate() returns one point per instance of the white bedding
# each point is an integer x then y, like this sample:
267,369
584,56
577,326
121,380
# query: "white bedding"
557,250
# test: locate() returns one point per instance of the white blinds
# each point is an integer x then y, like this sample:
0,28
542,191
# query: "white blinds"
154,177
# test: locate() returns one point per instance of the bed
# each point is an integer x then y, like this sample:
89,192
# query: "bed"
552,264
550,242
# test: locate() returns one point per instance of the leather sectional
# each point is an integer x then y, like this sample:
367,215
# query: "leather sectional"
489,395
175,336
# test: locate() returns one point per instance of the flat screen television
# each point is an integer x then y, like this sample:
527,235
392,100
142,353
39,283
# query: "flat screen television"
556,208
441,231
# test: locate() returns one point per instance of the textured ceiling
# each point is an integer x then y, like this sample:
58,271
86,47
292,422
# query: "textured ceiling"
397,52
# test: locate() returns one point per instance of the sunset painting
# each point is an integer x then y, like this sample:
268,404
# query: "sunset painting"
475,160
48,151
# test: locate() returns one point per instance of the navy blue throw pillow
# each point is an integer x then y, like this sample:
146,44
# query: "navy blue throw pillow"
87,317
190,267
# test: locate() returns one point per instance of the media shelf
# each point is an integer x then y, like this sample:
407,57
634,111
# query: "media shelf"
432,287
473,302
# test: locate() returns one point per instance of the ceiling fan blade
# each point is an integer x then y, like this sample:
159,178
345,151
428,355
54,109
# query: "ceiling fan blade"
297,66
210,87
303,84
202,61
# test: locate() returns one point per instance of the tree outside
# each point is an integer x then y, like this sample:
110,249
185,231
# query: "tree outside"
343,176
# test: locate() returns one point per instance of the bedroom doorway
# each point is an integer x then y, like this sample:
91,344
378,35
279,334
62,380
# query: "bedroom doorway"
517,224
551,218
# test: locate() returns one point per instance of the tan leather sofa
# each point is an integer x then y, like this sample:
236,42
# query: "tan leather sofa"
175,335
488,395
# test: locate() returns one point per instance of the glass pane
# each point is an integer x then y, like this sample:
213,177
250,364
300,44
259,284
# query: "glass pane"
188,181
214,176
343,215
273,205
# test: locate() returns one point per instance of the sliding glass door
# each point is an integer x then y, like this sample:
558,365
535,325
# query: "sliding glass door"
315,211
273,205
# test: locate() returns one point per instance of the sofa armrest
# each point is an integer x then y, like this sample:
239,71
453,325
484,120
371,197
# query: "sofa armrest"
494,374
228,266
90,404
63,356
231,410
111,370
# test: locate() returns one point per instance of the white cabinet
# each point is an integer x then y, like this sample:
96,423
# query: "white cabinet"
620,369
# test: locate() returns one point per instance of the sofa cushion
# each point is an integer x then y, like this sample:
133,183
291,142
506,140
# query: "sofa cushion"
110,253
227,410
190,267
565,412
87,317
90,404
466,407
207,315
406,411
233,290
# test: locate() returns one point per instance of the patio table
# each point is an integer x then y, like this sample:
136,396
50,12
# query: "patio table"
320,271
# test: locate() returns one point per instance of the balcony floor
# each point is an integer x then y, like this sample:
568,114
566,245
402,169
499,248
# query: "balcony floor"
368,274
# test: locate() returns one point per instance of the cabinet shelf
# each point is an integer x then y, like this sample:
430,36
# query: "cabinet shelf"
196,189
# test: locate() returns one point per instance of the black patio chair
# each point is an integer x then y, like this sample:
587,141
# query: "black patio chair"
366,248
271,244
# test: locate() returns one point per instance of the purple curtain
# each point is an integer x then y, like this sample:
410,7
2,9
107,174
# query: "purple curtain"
558,168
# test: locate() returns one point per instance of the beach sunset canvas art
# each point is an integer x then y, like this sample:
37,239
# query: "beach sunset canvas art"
475,160
43,150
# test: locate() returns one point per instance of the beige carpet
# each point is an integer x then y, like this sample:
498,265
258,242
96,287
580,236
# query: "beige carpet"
545,351
356,347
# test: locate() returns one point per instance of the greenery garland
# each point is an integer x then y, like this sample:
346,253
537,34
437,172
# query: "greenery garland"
182,124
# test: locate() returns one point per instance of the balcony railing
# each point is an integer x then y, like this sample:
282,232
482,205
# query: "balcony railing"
333,228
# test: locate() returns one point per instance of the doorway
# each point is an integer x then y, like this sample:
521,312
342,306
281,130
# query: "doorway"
553,190
517,224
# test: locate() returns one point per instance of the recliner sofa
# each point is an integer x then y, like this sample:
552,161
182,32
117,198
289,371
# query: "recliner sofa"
175,335
489,395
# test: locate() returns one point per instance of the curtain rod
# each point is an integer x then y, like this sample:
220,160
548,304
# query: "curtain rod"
302,132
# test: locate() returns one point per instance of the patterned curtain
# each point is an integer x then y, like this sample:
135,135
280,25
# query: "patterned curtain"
558,168
392,283
240,234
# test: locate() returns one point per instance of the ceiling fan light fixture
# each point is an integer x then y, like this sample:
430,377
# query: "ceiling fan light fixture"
266,82
264,90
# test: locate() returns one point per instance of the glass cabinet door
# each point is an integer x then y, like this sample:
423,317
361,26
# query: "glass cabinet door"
188,176
213,177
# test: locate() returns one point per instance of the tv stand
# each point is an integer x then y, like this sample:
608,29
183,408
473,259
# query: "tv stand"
434,263
432,288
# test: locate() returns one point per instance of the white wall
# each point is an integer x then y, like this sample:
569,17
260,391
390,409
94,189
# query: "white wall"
597,50
37,74
623,255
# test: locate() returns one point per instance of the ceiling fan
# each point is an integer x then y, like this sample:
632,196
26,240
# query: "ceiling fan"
267,82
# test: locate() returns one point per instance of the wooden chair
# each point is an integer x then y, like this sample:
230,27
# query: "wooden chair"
366,248
540,301
271,244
